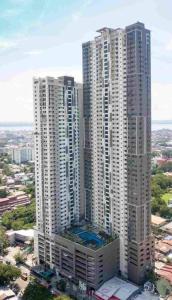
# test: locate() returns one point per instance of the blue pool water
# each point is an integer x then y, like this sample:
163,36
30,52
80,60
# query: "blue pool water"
77,230
88,237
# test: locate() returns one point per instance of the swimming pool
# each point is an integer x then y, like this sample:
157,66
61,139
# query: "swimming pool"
89,237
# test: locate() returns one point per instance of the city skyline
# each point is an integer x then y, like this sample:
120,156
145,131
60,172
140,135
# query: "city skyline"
36,38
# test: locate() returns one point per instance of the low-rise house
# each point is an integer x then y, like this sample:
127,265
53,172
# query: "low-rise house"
159,257
11,202
162,247
6,293
157,221
20,236
10,181
160,161
165,272
167,228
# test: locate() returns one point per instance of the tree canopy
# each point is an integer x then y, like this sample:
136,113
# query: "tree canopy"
63,297
166,167
19,258
3,240
167,153
37,292
30,190
8,273
160,184
3,193
23,217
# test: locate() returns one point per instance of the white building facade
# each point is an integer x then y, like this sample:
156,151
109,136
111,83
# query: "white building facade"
57,159
21,154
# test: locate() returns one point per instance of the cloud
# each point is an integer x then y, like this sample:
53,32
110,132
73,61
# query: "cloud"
10,13
7,44
168,46
161,101
34,52
18,2
78,14
16,92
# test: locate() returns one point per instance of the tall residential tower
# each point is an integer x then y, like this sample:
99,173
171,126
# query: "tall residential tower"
76,252
57,159
117,148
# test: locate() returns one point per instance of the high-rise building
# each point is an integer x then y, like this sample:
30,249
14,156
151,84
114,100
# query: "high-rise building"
77,252
117,145
57,156
93,161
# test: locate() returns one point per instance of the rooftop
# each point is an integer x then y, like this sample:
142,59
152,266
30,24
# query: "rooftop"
15,196
168,238
105,29
88,237
167,227
165,272
116,288
6,293
162,247
157,221
23,232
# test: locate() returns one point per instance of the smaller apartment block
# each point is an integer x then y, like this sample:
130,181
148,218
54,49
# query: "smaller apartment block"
82,255
21,154
13,201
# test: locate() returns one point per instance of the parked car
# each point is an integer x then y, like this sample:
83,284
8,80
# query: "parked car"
24,276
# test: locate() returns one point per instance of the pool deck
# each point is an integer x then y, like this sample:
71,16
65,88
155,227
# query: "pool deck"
87,237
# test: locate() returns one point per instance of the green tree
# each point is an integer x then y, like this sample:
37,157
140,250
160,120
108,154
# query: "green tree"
163,286
156,190
30,190
19,258
3,193
61,285
155,154
160,181
37,292
63,297
3,241
167,153
18,224
166,167
6,170
152,276
165,211
8,273
156,170
160,184
157,204
5,158
23,217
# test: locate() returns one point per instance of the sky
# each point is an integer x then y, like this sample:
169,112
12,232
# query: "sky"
44,37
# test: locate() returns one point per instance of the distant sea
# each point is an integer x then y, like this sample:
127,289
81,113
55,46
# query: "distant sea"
156,125
16,127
